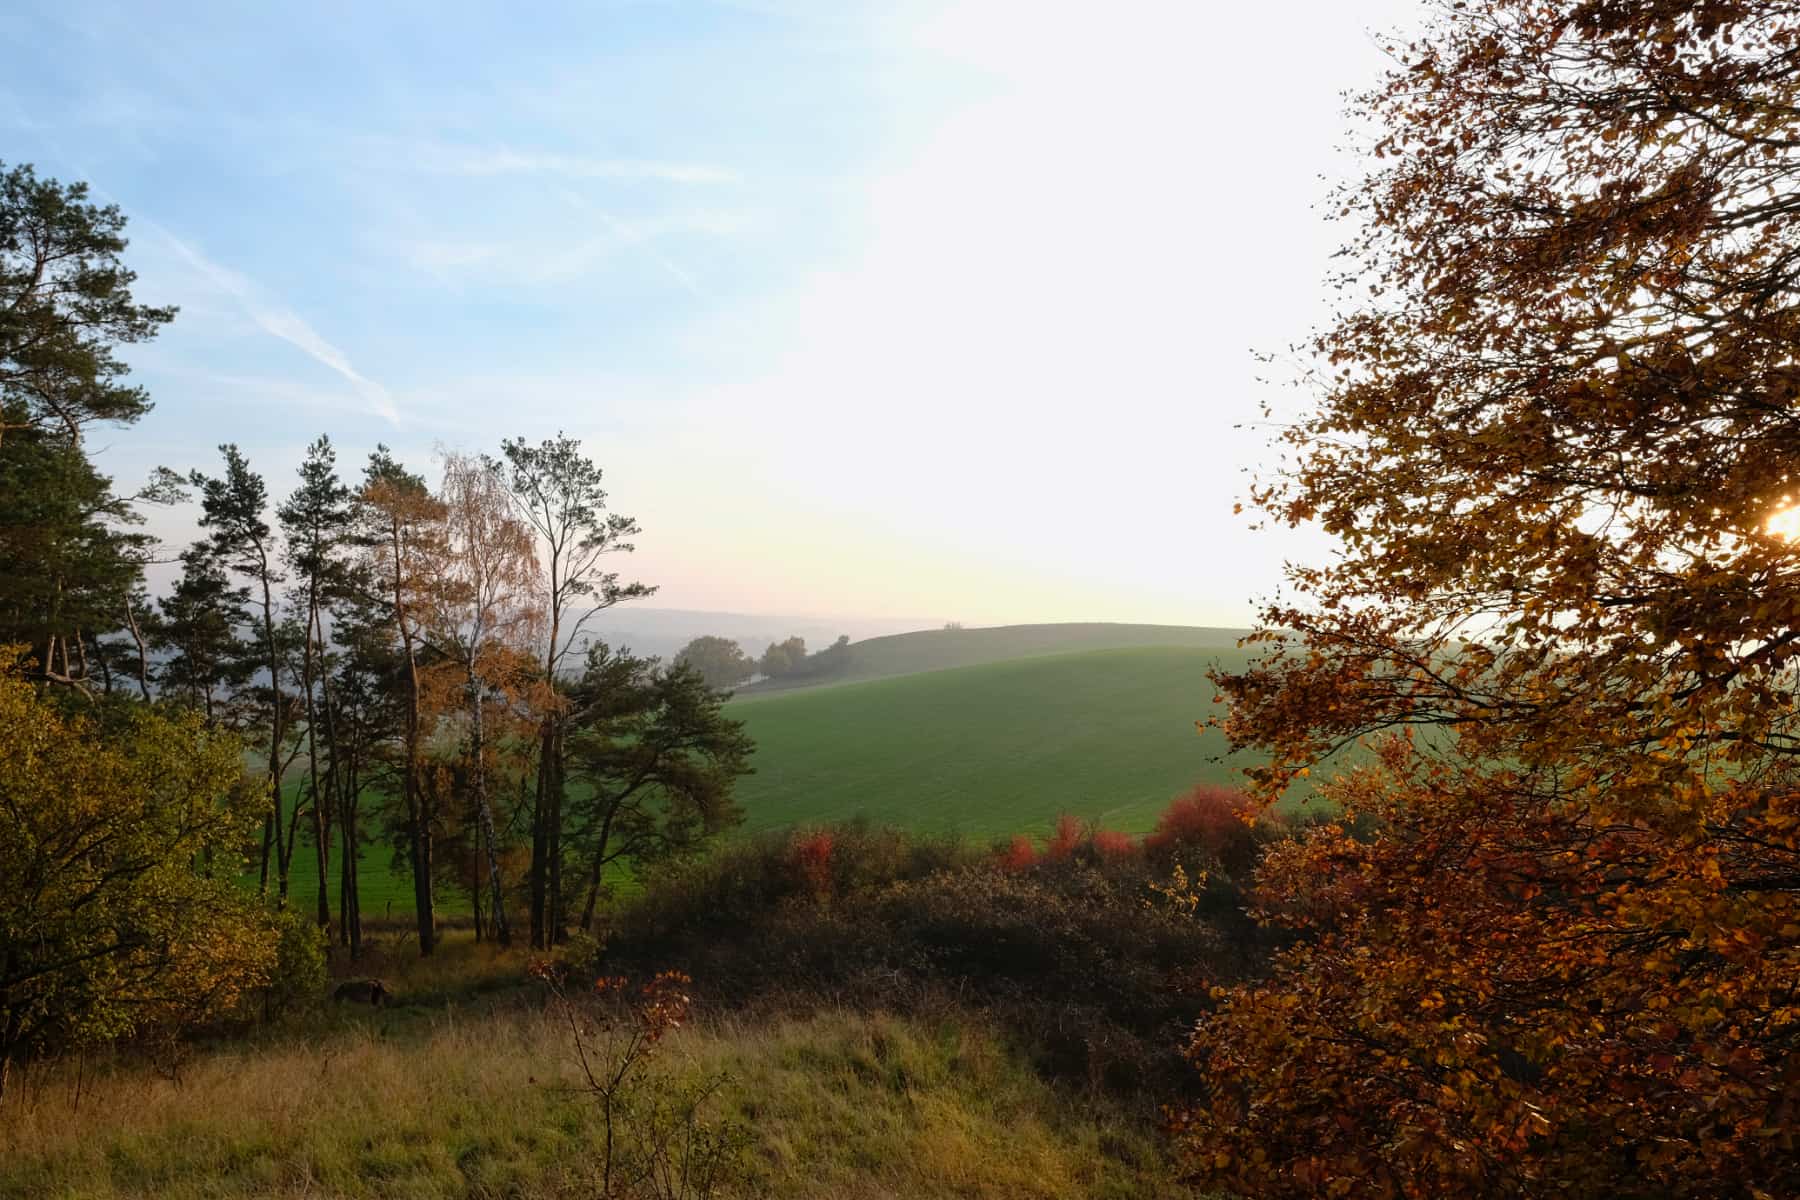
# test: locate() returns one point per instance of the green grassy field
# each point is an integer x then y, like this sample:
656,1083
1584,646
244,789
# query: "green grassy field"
990,750
941,649
387,890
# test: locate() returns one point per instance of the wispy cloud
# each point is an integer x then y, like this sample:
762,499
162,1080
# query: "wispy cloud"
555,250
452,159
279,321
642,241
641,237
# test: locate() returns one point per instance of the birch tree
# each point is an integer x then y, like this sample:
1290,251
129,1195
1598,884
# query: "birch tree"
485,614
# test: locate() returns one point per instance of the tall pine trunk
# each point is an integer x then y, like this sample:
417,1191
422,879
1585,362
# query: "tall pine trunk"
558,923
418,818
547,921
272,827
540,844
321,799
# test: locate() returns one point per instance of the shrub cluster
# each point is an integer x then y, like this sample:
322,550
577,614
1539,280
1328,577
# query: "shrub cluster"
1069,946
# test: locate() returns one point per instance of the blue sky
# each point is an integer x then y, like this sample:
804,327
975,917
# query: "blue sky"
937,310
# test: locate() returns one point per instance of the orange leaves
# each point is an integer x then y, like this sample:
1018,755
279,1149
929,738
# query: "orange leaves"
1445,1017
1560,956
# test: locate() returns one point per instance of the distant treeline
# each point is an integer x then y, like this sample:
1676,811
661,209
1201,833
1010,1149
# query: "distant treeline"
723,663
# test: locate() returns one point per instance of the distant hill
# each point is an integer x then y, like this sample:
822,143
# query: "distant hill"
939,649
661,632
992,749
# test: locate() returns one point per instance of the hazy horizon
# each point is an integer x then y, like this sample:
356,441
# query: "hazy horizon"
925,308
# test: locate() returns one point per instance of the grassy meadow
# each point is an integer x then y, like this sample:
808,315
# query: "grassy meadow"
942,649
990,750
471,1092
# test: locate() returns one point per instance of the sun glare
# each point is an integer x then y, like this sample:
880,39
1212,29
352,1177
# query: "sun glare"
1784,522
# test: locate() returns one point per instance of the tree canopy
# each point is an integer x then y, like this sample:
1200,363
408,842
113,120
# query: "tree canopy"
1551,423
719,660
658,759
121,838
65,305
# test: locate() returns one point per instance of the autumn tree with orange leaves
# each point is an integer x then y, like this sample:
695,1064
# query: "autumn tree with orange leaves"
1555,415
482,613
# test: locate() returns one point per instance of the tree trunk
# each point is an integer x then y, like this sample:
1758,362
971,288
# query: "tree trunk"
105,667
344,904
350,907
546,850
262,878
418,819
593,892
143,653
540,846
598,869
268,607
475,888
484,814
323,804
558,924
353,863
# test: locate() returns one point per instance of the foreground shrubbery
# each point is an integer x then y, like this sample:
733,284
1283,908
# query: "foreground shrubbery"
878,1014
1094,970
120,915
486,1099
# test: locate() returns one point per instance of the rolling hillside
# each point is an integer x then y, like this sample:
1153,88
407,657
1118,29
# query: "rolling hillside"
992,749
939,649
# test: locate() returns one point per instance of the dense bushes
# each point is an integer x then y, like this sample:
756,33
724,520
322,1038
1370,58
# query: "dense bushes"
119,840
1207,824
1072,948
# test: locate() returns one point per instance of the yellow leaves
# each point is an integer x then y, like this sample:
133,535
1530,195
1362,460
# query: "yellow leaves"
103,835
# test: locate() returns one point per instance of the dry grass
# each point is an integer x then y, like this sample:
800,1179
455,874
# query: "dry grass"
478,1102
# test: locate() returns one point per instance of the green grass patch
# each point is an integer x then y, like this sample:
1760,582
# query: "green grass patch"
942,649
994,749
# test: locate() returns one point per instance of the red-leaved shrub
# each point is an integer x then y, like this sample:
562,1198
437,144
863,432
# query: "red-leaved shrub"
1112,846
1064,838
1207,819
812,860
1019,855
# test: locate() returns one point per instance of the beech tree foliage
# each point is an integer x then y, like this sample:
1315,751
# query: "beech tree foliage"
1555,416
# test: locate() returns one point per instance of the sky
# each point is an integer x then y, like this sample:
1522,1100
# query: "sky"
898,309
